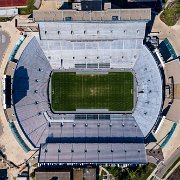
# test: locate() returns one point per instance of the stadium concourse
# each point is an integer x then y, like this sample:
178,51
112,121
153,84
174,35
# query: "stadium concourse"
83,137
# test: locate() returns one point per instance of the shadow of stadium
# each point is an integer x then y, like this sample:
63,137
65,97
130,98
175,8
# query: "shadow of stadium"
20,84
95,140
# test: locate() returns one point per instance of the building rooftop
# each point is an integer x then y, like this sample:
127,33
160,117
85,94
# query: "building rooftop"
108,15
53,175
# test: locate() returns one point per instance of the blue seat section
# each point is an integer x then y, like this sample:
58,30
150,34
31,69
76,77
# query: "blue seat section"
170,48
18,44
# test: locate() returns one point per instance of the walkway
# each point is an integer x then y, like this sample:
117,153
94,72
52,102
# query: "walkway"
172,33
172,170
109,176
103,169
4,41
162,167
13,150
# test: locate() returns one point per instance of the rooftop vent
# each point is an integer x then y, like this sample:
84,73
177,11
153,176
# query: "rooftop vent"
68,18
115,18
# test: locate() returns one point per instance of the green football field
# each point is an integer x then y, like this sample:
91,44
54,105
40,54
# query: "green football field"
112,91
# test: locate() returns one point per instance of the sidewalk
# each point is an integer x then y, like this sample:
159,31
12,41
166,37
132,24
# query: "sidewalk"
13,150
170,32
172,170
162,167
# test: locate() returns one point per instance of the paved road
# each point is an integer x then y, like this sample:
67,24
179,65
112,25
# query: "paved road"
163,167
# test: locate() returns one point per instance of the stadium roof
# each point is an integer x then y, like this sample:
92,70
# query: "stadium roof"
87,32
92,153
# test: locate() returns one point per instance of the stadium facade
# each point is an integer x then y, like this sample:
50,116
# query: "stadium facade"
96,45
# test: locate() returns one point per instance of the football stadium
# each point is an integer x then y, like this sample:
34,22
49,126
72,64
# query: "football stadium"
88,92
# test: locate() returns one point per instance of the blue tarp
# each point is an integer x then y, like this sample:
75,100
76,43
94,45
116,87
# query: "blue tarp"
169,135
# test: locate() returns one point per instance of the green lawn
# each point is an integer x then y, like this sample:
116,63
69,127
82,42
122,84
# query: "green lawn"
171,14
29,9
5,19
71,91
132,173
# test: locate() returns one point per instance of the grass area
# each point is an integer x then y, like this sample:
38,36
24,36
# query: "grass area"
175,174
164,1
144,171
102,174
71,91
4,19
171,167
171,14
132,173
29,9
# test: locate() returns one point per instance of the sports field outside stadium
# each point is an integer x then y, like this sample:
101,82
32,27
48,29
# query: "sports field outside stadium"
112,91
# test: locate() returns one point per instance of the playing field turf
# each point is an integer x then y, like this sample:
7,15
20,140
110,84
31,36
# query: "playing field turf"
112,91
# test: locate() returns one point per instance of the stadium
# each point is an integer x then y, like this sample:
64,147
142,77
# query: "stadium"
88,92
